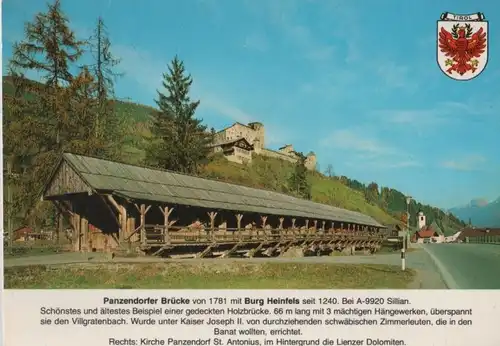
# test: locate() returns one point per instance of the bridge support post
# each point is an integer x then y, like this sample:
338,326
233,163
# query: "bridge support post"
280,229
212,216
239,217
76,231
166,211
84,227
142,212
131,235
263,225
122,217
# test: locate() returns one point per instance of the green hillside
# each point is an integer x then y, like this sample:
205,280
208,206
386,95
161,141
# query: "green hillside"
272,174
384,204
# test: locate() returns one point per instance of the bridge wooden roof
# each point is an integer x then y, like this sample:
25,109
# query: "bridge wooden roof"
83,174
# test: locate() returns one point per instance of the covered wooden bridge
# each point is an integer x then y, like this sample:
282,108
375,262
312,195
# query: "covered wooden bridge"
118,207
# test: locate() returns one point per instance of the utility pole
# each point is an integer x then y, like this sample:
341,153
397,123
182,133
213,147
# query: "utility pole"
405,234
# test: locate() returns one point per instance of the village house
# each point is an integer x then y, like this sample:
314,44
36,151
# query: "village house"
237,150
471,232
25,233
427,233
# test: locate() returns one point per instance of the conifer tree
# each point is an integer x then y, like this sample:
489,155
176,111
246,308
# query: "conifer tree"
40,111
297,182
85,108
49,49
181,140
108,124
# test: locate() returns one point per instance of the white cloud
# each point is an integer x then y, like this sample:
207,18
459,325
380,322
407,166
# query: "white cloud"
308,45
351,140
307,88
275,135
467,163
353,52
282,14
227,110
320,53
368,151
395,75
256,42
147,71
427,42
407,117
402,164
384,164
139,65
474,107
83,31
443,112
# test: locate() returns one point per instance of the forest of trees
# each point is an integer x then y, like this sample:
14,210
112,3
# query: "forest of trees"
71,108
394,202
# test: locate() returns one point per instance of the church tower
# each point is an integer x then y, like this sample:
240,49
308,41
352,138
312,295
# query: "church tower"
421,220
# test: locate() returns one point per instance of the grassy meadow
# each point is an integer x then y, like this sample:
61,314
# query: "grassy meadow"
207,275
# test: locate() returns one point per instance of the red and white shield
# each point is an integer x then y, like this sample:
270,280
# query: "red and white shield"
462,45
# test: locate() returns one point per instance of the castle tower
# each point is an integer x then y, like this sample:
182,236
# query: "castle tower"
287,149
311,161
421,220
260,136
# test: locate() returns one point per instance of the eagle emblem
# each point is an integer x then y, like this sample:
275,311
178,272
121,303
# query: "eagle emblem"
462,45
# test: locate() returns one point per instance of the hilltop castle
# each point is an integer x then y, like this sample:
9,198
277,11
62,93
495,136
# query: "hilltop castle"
238,141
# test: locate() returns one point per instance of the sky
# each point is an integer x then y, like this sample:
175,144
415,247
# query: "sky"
355,81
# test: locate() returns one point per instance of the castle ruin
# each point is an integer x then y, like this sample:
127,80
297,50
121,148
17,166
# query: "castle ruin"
239,141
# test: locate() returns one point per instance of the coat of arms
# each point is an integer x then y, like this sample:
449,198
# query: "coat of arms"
462,45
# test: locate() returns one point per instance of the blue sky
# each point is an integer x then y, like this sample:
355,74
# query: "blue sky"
355,81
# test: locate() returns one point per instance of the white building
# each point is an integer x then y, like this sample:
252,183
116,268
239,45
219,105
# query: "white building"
421,220
452,238
428,234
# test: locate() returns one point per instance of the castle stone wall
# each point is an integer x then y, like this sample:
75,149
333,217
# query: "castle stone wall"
254,133
278,155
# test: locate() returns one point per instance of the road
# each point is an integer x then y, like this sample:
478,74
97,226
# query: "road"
428,275
438,266
467,266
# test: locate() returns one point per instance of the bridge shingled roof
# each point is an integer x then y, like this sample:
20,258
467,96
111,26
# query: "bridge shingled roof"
141,183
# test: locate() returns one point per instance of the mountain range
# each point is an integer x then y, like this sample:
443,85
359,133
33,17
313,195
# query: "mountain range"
480,212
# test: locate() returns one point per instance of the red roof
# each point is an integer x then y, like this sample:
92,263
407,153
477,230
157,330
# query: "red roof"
23,230
426,232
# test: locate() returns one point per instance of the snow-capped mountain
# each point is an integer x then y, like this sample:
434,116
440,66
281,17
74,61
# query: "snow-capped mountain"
481,213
